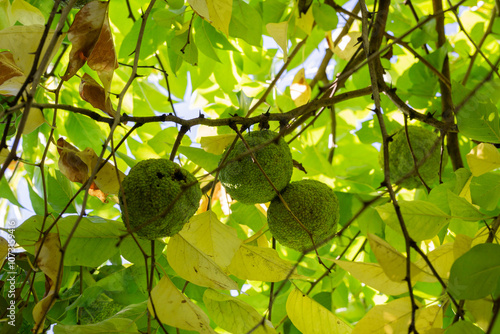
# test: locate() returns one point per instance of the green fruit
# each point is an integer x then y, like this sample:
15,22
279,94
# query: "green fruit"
243,179
150,189
401,160
98,311
314,204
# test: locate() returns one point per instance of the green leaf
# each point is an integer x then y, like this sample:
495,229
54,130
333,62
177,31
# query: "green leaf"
478,118
462,209
205,160
7,192
246,23
423,219
94,241
84,132
325,16
476,274
185,47
463,327
204,37
112,325
234,315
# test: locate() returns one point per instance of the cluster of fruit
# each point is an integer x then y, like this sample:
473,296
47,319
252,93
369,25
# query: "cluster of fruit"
161,196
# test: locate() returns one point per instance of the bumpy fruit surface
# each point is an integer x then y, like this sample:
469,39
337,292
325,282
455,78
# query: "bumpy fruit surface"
401,160
151,188
99,311
244,180
314,204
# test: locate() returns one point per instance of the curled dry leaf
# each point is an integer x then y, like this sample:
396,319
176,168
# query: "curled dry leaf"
49,261
93,93
92,42
70,164
9,71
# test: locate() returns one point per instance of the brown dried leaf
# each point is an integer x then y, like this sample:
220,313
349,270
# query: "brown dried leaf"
90,33
93,93
8,67
70,164
49,261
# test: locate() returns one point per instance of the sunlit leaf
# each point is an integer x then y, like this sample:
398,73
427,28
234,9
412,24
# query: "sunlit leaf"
347,46
234,315
325,16
217,12
441,259
260,264
202,250
35,119
300,91
4,152
392,261
483,158
395,317
310,317
279,32
23,41
216,144
174,309
423,219
374,276
463,327
305,21
26,13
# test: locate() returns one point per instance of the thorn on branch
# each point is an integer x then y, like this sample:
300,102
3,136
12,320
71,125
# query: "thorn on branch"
200,115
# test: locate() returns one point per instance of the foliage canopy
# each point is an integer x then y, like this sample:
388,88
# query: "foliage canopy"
88,93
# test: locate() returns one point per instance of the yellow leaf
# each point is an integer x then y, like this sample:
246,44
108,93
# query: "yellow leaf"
26,13
216,144
481,310
312,318
217,12
305,21
392,261
35,119
106,178
49,261
6,14
461,245
395,317
22,41
347,46
374,276
4,152
441,258
235,315
279,31
201,8
465,192
4,249
202,250
260,264
193,265
300,91
483,158
176,310
219,241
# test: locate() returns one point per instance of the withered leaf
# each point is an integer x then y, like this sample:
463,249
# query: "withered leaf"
92,40
8,67
70,164
95,94
49,261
